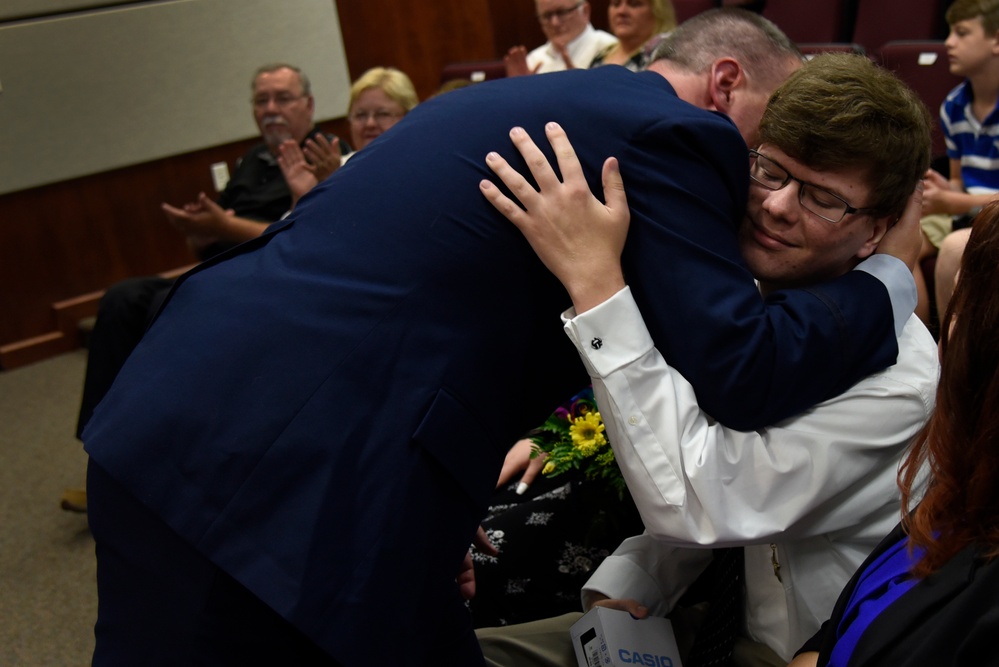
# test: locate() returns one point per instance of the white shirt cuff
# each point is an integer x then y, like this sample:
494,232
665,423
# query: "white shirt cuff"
610,335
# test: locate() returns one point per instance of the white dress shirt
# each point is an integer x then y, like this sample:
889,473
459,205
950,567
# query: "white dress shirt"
582,51
815,493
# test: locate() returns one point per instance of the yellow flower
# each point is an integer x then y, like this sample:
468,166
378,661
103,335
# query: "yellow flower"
549,467
588,433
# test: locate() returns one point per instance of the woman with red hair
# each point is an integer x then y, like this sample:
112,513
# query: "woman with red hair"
929,594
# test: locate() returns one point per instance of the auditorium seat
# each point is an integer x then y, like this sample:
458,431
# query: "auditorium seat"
924,66
881,21
809,22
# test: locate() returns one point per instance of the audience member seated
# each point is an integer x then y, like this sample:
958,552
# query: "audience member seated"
266,184
572,40
929,593
203,220
378,100
806,498
969,118
635,24
282,108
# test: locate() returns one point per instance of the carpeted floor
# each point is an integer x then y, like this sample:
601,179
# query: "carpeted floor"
48,600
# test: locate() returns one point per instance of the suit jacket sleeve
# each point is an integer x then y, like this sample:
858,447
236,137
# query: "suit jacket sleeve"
752,362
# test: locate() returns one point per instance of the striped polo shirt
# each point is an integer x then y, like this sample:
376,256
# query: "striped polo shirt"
974,143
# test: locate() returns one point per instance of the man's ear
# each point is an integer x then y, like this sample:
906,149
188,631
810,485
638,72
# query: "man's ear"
879,227
727,76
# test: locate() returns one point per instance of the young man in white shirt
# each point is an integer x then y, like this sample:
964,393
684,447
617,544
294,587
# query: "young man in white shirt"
841,147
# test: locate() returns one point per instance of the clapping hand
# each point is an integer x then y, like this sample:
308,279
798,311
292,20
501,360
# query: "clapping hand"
515,62
323,155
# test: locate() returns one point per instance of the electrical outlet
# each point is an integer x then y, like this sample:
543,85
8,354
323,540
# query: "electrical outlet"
220,175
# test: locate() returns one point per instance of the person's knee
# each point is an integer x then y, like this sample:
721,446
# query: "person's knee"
543,643
949,257
953,245
948,263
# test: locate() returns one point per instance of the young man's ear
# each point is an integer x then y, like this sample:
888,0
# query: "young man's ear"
726,77
879,227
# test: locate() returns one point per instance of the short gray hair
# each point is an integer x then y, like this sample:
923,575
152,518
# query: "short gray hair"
273,67
758,44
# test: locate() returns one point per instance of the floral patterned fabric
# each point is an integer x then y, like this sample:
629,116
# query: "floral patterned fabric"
550,540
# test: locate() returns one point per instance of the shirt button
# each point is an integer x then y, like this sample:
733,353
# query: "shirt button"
633,420
596,343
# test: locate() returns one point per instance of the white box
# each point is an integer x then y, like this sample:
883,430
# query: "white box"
610,637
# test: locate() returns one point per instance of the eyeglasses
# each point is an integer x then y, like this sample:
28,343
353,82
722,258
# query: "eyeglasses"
281,99
560,14
772,176
381,116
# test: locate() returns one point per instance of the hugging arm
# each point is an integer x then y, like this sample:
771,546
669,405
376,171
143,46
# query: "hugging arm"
752,362
579,239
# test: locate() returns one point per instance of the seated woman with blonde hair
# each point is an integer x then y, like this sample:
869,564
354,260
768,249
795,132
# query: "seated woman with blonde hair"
379,99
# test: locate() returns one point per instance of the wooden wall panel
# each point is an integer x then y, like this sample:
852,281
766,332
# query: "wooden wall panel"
419,38
78,236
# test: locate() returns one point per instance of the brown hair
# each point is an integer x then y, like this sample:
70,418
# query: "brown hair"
843,111
959,446
965,10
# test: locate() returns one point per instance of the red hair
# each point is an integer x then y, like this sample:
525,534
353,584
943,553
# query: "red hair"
960,443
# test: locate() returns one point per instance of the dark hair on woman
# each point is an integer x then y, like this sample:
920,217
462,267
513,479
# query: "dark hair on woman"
959,447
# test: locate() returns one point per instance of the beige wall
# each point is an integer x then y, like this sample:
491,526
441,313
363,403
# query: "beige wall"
88,91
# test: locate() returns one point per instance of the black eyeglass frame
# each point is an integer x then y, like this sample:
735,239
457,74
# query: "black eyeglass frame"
547,17
848,209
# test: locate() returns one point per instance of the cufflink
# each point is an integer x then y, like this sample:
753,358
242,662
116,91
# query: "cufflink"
596,343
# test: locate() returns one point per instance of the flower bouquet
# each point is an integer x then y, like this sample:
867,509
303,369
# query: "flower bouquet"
573,438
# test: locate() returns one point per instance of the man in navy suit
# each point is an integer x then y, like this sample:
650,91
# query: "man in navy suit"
292,464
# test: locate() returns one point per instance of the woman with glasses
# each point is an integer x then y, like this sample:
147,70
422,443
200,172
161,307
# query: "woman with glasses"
928,593
378,100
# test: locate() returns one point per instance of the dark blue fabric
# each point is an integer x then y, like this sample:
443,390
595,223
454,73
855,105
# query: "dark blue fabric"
339,393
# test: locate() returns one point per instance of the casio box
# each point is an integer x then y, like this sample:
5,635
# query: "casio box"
608,637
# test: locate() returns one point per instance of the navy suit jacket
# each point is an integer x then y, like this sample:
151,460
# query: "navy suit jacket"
949,618
324,410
